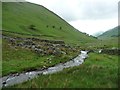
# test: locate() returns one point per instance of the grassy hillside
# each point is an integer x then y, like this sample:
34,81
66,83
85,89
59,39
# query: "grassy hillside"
29,18
113,33
110,38
26,27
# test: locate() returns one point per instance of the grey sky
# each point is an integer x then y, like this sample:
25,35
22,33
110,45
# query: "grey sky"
88,16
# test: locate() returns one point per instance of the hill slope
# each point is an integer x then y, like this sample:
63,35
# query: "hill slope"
113,33
29,18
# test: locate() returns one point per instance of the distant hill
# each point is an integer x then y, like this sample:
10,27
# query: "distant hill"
112,33
29,18
98,33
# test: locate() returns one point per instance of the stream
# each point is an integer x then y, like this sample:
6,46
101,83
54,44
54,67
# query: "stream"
19,78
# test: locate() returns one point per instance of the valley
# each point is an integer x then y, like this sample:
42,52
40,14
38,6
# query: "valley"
42,50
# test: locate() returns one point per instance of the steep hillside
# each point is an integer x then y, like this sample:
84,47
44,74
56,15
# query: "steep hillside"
32,19
113,33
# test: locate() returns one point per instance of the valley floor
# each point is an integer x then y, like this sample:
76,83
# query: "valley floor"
28,54
98,71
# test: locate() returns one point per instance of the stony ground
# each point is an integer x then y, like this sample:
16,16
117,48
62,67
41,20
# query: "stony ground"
40,46
26,54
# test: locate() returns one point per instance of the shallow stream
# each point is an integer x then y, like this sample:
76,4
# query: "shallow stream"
19,78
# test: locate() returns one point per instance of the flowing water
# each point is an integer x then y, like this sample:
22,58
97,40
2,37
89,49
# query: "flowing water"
19,78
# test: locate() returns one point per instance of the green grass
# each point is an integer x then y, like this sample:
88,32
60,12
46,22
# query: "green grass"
98,71
100,44
0,57
108,39
18,59
0,40
112,33
0,54
17,17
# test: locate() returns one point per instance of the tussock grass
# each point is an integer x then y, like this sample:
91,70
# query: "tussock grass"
98,71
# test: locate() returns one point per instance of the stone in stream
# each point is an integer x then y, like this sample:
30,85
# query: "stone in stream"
44,66
4,82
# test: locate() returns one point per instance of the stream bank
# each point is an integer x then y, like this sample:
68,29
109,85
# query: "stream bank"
19,78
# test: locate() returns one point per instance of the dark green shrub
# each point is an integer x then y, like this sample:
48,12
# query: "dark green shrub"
32,27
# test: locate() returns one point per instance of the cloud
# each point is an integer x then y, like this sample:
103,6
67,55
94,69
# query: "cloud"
119,13
72,10
99,9
89,16
93,26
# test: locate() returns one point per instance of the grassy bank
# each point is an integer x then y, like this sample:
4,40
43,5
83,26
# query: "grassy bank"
18,59
98,71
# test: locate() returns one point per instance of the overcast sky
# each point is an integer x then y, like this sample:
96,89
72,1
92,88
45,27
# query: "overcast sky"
88,16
